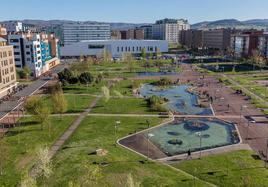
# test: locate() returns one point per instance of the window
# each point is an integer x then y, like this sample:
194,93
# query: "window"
9,53
28,53
133,49
14,40
91,46
118,49
122,49
27,46
16,53
17,59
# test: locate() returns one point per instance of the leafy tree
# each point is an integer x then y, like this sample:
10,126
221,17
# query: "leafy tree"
128,58
106,93
59,102
158,53
143,53
73,80
27,72
36,107
66,75
86,78
4,155
118,94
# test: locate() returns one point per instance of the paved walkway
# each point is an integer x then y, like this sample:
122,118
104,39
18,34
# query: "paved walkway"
53,150
195,155
245,89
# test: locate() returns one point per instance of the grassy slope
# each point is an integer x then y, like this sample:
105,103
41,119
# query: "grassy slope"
23,142
230,169
76,103
97,132
123,106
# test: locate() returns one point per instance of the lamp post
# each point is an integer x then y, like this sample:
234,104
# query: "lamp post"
248,127
199,134
241,110
117,123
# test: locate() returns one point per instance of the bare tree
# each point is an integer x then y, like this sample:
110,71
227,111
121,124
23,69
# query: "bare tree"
44,166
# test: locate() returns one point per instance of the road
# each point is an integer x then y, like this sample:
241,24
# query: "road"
17,99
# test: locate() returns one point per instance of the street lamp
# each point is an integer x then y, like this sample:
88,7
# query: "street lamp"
241,110
149,135
117,123
199,134
248,127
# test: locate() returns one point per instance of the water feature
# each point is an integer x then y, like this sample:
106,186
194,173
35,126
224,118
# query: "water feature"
180,100
180,136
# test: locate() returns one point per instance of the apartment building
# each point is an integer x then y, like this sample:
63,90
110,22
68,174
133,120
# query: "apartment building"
132,34
39,52
191,38
3,31
246,42
169,29
77,32
7,69
14,26
218,39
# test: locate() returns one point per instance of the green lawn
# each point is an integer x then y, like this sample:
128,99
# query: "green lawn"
123,106
97,132
76,103
230,169
84,89
23,142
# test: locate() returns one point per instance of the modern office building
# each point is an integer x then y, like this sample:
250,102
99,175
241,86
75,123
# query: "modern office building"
7,69
77,32
39,52
116,47
245,43
169,29
191,38
218,39
148,32
116,35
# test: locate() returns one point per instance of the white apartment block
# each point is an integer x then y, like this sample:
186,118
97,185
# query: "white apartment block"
169,29
27,51
77,32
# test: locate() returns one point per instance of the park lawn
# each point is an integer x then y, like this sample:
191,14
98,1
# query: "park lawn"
125,86
72,161
123,106
230,169
23,142
76,103
84,89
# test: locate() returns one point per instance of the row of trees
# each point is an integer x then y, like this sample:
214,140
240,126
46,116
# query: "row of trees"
67,76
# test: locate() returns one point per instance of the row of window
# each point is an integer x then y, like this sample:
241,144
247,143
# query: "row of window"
137,49
5,62
4,54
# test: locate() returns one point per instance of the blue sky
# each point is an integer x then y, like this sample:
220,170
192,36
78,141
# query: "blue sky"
136,11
